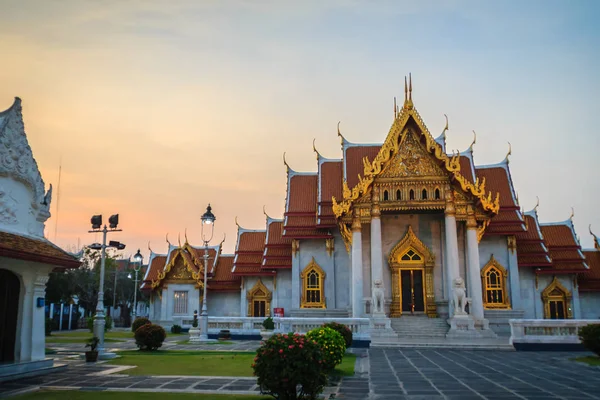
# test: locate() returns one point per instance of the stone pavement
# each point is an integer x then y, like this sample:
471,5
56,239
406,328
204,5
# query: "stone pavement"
412,374
381,373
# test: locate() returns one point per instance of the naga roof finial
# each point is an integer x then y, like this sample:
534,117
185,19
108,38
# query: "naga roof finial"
509,152
265,211
167,238
236,223
342,139
445,127
474,141
572,213
285,162
179,239
149,247
315,149
185,236
536,204
223,241
596,244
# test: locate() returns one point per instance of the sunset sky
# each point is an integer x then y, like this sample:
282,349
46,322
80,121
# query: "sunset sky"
158,107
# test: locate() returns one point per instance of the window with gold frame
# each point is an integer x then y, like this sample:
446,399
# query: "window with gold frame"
557,301
259,300
493,284
313,286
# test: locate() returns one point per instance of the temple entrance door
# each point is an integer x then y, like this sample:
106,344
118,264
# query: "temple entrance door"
9,310
411,286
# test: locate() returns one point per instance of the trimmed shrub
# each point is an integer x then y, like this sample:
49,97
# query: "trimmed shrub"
139,321
289,367
342,330
107,323
590,337
150,337
332,346
268,324
176,329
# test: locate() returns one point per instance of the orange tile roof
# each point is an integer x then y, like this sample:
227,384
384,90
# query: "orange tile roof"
531,249
302,193
251,241
332,178
497,180
353,161
278,249
589,281
157,264
43,251
223,280
563,247
249,254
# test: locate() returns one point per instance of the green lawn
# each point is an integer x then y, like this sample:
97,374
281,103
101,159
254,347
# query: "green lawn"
88,395
80,334
75,339
202,363
209,343
591,360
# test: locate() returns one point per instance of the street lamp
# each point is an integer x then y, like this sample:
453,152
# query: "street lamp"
137,264
99,317
208,228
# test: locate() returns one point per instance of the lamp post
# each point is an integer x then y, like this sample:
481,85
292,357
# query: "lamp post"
208,222
99,317
137,264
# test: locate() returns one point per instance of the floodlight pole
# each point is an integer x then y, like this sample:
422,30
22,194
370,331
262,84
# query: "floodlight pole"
100,318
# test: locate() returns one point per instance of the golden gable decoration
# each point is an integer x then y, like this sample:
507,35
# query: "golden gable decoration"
411,160
183,270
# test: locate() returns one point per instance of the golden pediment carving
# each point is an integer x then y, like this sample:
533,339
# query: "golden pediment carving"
412,160
179,272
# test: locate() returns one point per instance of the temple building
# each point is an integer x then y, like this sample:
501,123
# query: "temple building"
26,256
392,232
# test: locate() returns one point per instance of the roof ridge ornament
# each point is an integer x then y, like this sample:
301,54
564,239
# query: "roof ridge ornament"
167,239
179,239
509,153
342,138
445,127
536,204
408,103
265,212
473,142
596,242
315,149
572,214
185,236
395,108
236,221
149,247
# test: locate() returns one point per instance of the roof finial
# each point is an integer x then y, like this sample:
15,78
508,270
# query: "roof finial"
149,247
445,127
185,235
167,239
408,104
340,135
265,211
395,108
405,90
223,241
536,204
596,244
572,213
410,87
238,225
509,152
285,162
179,238
474,141
315,149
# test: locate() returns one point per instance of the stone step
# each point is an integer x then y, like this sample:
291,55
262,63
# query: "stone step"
462,346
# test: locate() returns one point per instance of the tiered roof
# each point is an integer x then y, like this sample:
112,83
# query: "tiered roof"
159,266
249,251
564,248
589,281
531,248
278,249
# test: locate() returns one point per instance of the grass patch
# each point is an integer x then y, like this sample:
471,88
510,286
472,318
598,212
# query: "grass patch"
62,339
346,368
199,363
88,395
209,343
591,360
81,334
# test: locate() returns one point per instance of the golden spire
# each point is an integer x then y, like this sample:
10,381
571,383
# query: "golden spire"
408,104
395,108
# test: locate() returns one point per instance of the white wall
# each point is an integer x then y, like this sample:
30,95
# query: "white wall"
590,305
223,304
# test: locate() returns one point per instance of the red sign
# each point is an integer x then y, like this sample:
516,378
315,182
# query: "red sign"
278,312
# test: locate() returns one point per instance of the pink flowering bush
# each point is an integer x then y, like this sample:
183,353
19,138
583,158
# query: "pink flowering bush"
333,345
289,367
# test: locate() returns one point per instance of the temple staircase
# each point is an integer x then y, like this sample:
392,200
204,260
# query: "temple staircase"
420,331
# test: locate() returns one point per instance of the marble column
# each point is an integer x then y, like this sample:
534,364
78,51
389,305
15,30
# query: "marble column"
473,267
163,304
451,264
376,249
38,339
357,275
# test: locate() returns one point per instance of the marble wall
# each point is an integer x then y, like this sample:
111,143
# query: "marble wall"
223,304
590,305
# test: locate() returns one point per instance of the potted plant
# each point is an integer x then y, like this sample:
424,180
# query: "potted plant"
269,326
92,355
194,331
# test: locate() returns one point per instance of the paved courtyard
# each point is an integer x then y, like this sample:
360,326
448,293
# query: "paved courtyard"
381,373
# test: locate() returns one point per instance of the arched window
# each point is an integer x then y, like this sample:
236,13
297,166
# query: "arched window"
313,286
386,195
437,194
424,194
259,300
557,301
411,255
411,194
493,283
398,195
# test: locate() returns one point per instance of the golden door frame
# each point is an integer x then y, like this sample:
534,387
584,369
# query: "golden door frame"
556,291
410,241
